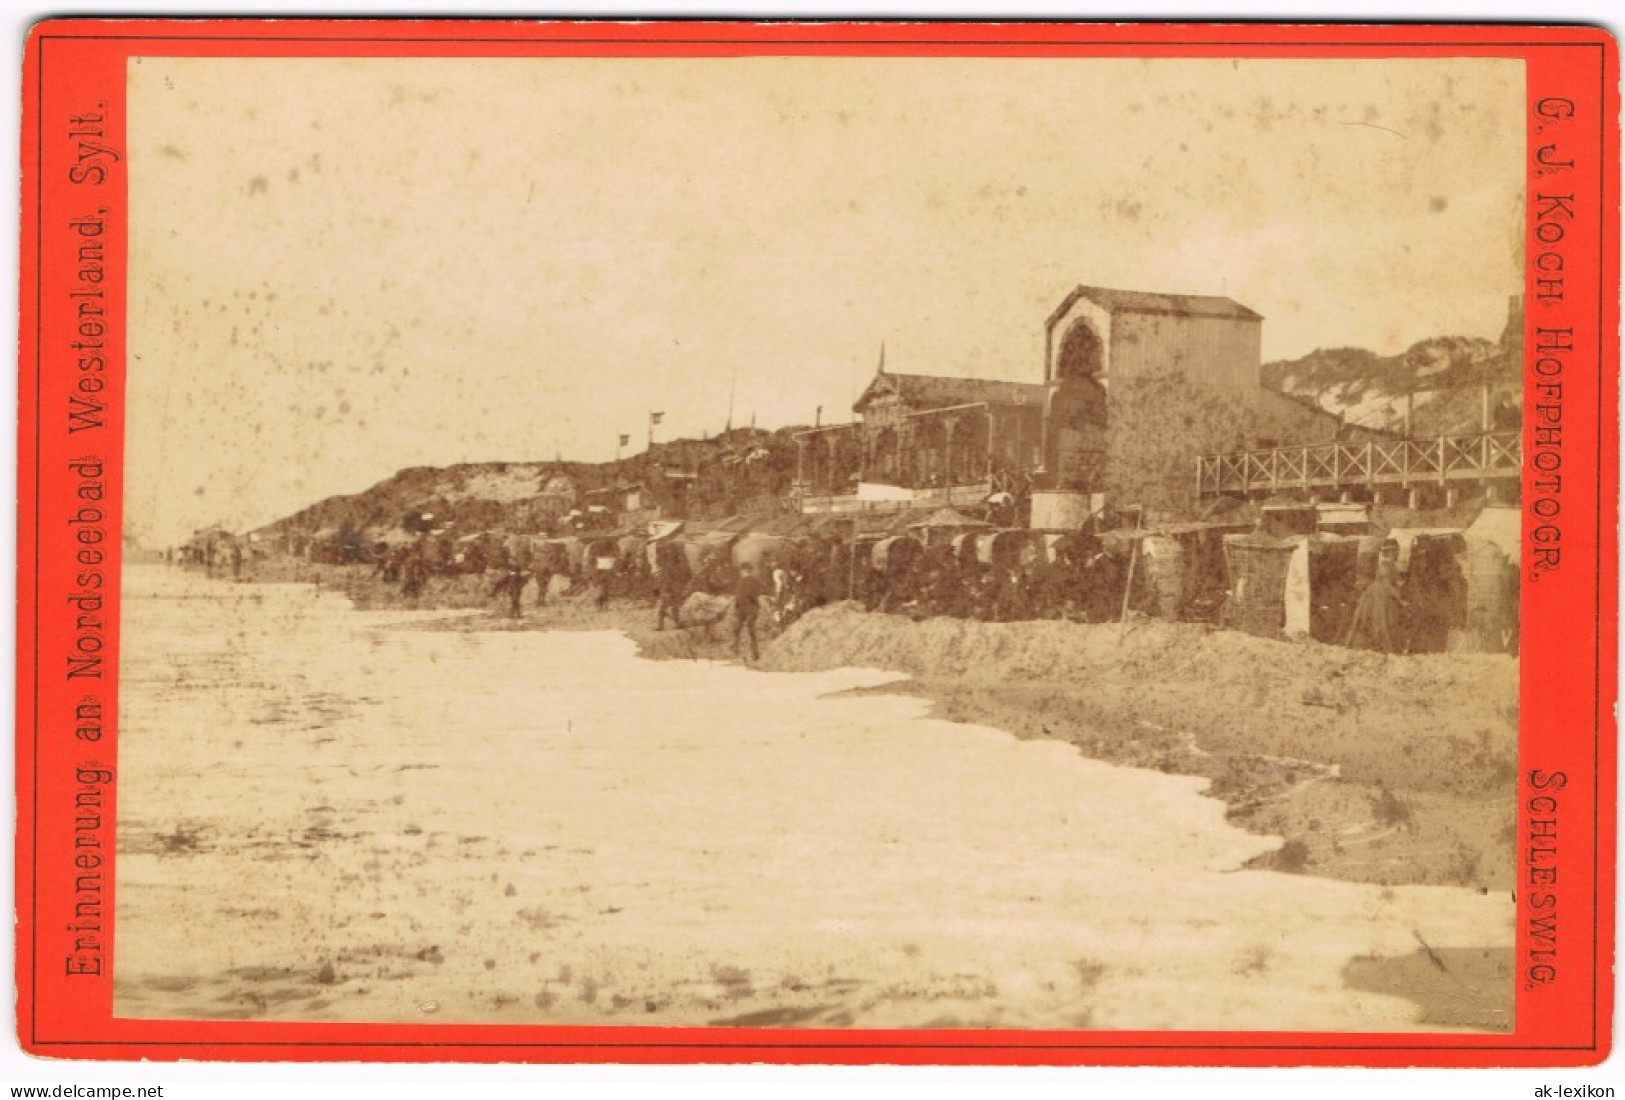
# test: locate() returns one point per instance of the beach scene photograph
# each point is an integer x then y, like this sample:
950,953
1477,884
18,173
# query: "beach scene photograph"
819,542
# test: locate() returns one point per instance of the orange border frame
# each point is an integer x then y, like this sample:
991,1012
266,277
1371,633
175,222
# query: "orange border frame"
75,69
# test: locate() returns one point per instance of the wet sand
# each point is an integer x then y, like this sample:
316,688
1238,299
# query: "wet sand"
348,815
1390,770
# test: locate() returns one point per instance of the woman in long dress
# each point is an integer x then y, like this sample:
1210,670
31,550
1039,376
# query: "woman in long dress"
1376,616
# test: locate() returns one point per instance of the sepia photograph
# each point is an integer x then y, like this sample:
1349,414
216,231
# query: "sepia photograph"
822,542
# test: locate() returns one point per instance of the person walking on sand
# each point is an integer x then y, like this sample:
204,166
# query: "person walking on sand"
748,592
511,582
671,583
414,574
604,561
1376,616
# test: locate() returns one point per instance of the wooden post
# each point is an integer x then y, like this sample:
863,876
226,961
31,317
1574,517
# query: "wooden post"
1128,587
989,410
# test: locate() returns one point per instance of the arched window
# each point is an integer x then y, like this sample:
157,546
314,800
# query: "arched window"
1081,354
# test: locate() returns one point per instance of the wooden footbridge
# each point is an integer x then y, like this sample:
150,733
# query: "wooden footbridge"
1441,461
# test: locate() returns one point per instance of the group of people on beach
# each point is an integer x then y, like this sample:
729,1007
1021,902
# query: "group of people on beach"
218,559
669,580
700,581
1083,582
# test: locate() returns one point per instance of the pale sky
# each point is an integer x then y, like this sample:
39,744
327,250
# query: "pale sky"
343,267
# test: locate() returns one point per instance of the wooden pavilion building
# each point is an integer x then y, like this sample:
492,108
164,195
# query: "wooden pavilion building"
930,440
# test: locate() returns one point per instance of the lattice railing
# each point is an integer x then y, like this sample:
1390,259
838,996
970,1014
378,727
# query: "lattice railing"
1371,462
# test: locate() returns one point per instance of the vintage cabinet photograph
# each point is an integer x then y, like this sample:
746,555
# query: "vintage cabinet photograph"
823,542
758,540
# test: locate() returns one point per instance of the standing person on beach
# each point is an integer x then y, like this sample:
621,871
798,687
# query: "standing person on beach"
511,582
1375,624
748,592
604,560
414,573
672,579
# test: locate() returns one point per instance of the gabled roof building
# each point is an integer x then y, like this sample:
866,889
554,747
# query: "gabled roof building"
1128,362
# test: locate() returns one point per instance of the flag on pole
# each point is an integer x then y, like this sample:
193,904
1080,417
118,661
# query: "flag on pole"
654,418
625,438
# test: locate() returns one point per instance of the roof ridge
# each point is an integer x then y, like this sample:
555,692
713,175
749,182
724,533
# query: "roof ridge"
1149,301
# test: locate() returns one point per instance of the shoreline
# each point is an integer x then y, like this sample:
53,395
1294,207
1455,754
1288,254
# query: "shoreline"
1386,770
1327,747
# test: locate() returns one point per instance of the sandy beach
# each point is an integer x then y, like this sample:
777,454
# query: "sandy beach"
335,809
1371,767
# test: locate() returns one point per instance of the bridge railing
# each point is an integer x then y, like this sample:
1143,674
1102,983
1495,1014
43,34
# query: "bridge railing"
1435,460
